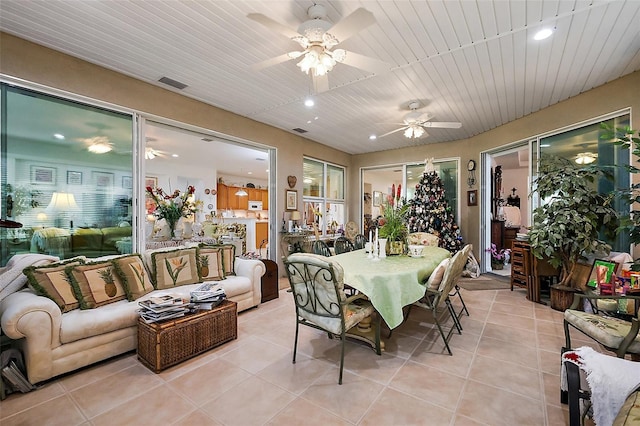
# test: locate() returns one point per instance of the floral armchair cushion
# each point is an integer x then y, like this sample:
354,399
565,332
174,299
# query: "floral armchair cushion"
424,239
609,331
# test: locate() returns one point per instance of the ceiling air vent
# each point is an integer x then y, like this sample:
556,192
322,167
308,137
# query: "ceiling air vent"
207,140
299,130
172,83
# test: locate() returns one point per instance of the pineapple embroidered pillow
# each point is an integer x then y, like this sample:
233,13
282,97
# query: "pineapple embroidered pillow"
210,263
53,282
96,284
134,276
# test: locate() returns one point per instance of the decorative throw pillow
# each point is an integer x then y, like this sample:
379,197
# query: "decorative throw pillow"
228,258
134,276
96,284
436,276
52,281
210,263
176,267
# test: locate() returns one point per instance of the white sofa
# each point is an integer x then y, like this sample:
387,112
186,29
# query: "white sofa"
54,343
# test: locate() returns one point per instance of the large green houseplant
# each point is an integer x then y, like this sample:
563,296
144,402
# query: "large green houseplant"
393,224
625,137
566,227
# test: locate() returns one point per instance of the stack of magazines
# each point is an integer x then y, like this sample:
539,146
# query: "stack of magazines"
207,296
159,308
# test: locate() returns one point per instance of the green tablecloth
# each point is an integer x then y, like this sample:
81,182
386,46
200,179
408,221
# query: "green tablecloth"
392,282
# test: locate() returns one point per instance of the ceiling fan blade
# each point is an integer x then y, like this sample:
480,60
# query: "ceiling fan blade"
394,131
442,124
351,24
366,63
273,25
320,83
270,62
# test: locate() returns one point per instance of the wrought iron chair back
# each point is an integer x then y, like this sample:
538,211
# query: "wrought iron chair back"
359,242
321,248
342,245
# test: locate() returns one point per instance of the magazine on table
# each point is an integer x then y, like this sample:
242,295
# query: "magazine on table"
148,306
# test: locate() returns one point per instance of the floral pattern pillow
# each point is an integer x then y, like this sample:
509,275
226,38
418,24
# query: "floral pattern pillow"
175,268
134,276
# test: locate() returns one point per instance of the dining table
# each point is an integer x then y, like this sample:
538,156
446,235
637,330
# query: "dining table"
391,282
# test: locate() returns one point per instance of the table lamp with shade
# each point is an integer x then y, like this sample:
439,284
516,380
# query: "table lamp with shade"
295,217
60,204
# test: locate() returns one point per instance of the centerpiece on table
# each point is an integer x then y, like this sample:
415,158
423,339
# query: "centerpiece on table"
171,207
498,257
393,225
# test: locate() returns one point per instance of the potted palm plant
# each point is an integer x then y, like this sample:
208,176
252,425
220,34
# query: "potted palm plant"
392,225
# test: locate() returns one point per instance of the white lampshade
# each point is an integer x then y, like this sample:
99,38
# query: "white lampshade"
62,202
295,215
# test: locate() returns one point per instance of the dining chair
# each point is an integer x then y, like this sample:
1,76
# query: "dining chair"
321,248
456,288
436,298
359,242
342,245
318,292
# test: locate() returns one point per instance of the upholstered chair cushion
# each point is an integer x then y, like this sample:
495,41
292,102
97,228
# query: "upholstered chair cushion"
424,239
436,276
607,330
96,284
52,281
134,276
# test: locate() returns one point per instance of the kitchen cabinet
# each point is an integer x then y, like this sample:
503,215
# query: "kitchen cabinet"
227,198
223,197
262,232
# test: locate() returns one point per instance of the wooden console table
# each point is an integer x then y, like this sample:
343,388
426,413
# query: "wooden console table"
527,270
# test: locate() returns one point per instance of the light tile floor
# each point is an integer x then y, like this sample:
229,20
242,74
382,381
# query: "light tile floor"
504,371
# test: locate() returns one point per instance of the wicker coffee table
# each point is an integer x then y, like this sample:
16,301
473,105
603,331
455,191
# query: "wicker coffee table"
167,343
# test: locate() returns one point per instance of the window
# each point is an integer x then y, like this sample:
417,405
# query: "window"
67,176
323,196
585,146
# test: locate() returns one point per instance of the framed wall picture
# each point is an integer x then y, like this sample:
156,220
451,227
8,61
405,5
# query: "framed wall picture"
149,204
74,178
601,272
41,175
291,199
103,180
127,182
472,197
377,198
151,181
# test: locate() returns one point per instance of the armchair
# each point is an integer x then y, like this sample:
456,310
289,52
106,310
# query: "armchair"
318,291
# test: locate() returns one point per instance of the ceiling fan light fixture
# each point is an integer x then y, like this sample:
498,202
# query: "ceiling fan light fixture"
414,131
99,145
586,158
150,153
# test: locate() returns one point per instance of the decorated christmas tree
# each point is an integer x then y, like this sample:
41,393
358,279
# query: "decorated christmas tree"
430,212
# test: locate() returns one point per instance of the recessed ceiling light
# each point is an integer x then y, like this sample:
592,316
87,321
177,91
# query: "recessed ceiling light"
175,155
542,34
308,121
373,137
315,118
249,173
545,145
267,170
58,136
309,102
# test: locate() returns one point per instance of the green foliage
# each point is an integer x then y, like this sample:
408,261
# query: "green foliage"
567,226
393,226
625,138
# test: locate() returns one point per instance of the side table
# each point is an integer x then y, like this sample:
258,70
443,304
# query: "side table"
166,343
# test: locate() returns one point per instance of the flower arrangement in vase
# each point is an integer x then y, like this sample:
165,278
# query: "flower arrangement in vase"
392,224
171,207
498,257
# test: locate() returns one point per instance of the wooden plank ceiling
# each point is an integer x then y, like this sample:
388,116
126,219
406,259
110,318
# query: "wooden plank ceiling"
469,61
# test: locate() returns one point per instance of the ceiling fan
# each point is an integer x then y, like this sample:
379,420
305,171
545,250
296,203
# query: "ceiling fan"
318,37
414,123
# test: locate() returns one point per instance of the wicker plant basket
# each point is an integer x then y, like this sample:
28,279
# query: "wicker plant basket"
163,344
